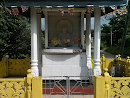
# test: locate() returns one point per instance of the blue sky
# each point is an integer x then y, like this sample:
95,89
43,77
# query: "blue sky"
92,23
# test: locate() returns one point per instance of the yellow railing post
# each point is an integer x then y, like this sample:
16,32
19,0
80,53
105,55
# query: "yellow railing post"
103,63
29,82
107,83
99,87
128,59
119,57
127,67
37,87
102,85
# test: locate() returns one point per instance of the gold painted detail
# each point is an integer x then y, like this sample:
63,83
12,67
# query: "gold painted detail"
12,89
120,88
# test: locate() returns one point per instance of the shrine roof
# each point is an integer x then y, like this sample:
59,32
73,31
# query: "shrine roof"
64,3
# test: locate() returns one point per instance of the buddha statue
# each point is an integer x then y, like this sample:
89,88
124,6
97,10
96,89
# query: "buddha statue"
64,37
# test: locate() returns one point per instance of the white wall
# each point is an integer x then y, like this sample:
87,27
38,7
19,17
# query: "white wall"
64,65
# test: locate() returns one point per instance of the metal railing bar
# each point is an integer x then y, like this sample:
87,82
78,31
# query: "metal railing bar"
61,86
76,88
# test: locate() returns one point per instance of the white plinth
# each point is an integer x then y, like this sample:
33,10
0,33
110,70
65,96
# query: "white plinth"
64,65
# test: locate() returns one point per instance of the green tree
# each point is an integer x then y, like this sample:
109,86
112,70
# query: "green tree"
92,32
117,25
15,35
105,35
43,39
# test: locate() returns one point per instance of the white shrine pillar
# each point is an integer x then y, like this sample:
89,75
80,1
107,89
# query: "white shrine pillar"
97,38
46,29
88,43
39,52
34,57
82,29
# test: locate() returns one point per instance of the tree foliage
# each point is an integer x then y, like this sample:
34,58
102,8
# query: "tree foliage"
117,25
15,35
43,39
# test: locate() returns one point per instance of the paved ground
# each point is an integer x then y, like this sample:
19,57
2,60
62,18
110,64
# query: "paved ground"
107,55
73,96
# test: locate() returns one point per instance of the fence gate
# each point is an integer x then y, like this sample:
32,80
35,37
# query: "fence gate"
67,87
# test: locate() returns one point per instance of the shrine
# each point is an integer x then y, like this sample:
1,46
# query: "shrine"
65,53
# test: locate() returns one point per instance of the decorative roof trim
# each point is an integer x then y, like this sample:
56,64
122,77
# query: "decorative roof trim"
76,3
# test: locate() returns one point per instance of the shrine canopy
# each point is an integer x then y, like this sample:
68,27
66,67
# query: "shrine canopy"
64,3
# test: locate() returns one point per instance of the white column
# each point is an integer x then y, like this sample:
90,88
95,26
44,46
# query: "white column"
97,38
46,29
82,29
88,43
39,52
34,58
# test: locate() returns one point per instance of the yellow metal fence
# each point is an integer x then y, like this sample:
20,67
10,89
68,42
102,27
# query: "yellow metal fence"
109,63
18,67
27,87
3,68
106,86
111,87
14,67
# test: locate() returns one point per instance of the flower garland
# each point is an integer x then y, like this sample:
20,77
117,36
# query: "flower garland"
71,9
76,39
61,11
55,41
66,41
